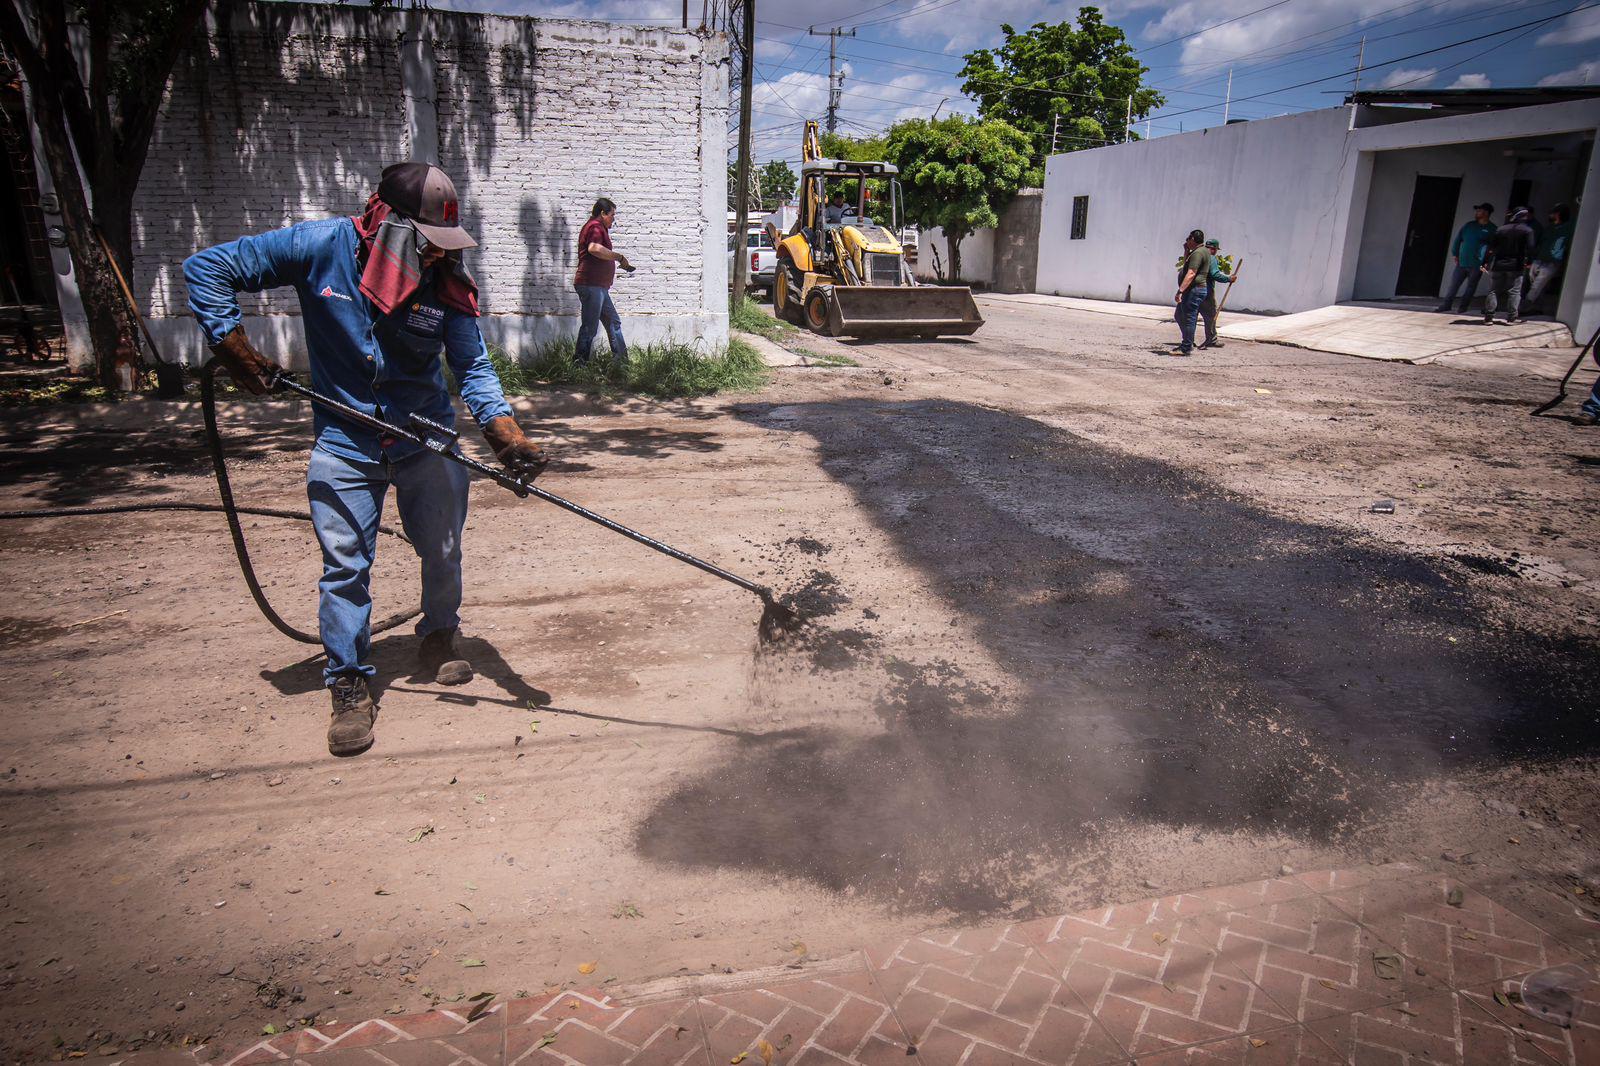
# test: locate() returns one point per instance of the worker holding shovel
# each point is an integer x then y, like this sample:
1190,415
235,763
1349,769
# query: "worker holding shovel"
1208,306
382,295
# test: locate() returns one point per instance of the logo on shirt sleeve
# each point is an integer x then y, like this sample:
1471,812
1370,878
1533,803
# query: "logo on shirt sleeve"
327,291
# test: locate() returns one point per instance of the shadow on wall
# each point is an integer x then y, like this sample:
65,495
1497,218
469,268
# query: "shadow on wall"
1171,655
552,237
294,120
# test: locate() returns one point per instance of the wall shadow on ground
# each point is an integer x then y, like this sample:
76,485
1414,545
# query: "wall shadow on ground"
89,465
1175,655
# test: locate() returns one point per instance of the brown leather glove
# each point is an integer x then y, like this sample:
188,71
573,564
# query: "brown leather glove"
520,455
248,368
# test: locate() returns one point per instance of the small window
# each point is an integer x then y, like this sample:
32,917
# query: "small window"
1080,217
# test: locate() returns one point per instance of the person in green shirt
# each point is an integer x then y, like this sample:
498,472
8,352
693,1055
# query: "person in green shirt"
1550,255
1468,249
1216,278
1194,281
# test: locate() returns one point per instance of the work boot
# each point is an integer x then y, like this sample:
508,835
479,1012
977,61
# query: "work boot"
354,711
438,662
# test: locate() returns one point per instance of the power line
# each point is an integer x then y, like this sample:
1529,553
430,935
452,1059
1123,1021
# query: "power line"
931,5
1402,59
1208,29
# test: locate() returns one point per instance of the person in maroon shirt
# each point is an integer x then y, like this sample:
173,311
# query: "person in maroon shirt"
597,268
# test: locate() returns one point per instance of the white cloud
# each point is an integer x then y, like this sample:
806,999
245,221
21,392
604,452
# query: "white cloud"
1407,78
1295,25
1470,81
1583,74
1577,28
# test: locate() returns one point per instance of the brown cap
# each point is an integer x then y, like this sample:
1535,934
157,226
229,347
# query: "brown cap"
426,195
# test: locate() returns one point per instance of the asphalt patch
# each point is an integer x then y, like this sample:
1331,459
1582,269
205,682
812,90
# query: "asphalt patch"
1167,653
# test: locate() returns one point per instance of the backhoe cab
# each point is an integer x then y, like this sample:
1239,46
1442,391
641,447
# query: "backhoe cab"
848,276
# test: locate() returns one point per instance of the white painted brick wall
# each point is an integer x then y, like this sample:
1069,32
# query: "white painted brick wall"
289,112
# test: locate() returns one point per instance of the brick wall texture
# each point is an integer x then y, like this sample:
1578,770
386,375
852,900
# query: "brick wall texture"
282,112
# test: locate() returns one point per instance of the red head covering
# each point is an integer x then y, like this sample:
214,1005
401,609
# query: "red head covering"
394,262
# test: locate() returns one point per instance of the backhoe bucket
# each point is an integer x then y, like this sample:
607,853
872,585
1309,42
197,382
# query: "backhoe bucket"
902,311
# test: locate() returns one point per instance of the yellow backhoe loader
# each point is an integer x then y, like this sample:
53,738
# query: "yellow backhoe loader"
843,273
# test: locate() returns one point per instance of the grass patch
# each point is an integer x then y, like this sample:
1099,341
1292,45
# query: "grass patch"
665,371
826,360
54,390
746,316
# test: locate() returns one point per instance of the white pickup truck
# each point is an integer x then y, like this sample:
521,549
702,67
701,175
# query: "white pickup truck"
763,260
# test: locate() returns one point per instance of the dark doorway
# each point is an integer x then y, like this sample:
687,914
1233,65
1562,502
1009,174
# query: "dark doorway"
1521,195
1433,216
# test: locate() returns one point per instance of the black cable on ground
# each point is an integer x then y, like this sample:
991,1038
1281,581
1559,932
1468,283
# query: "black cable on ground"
219,466
171,505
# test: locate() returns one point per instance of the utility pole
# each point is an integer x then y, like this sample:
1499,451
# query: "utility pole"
1361,57
835,75
1127,134
1227,102
747,43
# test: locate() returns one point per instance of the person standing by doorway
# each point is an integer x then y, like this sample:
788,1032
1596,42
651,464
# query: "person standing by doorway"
597,269
1194,275
1471,242
1506,263
1550,255
1208,307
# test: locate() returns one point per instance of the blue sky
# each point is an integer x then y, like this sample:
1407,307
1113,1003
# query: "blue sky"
905,55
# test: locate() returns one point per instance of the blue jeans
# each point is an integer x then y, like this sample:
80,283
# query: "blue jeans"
595,300
1470,276
1188,313
1508,282
1591,406
346,500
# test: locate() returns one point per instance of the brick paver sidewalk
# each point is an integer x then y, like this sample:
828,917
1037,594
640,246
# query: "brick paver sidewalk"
1380,965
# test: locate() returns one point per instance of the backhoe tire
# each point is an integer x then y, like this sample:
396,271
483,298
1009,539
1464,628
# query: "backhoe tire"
816,314
785,304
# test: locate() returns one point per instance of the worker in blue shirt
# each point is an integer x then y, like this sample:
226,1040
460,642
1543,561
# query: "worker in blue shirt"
381,296
1468,249
1208,306
1550,253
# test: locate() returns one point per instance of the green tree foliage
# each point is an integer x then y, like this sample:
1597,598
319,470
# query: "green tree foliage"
958,173
1082,74
777,183
839,146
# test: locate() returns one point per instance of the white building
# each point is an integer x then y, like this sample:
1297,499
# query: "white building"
1359,202
282,112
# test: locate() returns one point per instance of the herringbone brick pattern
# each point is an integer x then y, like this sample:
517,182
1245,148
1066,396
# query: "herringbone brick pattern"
1384,965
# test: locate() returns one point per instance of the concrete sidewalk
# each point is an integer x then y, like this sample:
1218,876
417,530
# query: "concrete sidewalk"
1368,331
1405,335
1378,964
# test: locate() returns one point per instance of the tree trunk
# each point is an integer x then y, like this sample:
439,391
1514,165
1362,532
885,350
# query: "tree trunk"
96,284
954,241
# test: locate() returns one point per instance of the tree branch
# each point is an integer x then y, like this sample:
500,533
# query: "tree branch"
138,115
69,89
19,42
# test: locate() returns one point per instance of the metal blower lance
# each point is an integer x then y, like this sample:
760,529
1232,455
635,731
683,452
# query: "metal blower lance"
777,619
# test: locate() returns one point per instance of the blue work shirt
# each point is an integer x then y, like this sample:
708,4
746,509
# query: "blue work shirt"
1471,242
385,366
1217,273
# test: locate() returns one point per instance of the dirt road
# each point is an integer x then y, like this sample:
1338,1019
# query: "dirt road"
1090,619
